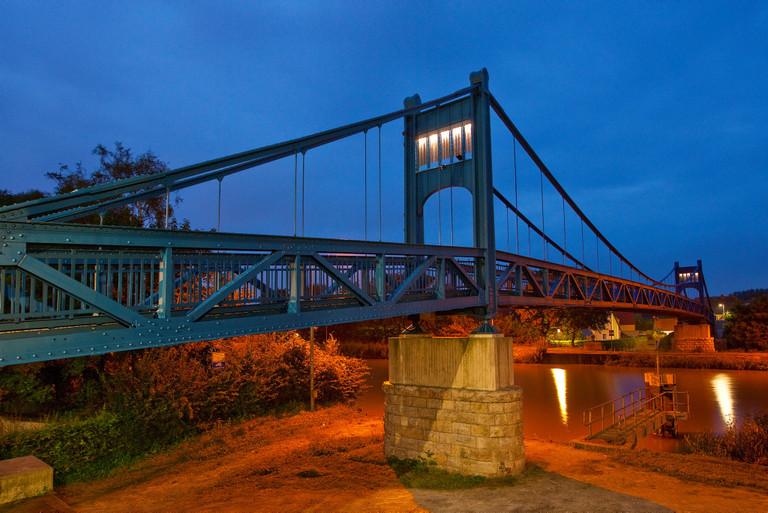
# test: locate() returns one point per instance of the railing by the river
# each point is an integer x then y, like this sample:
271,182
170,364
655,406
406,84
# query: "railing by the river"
617,412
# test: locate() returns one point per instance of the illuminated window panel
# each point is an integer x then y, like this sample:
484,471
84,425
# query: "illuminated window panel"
468,138
457,142
433,148
445,145
422,143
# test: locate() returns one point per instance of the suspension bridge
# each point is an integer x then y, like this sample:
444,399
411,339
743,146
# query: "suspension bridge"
71,289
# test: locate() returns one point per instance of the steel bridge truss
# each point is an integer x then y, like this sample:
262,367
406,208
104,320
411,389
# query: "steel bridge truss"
522,281
75,290
71,289
80,290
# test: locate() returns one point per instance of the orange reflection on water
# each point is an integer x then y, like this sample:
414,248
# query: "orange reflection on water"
559,376
723,388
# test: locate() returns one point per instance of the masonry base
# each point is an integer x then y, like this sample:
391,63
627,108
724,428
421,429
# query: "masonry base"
471,432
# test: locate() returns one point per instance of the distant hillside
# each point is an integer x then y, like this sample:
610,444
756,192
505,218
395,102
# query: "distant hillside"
746,295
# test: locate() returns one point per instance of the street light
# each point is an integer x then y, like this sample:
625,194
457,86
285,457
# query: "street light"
723,307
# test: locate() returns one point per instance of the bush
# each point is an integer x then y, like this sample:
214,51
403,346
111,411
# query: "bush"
627,343
78,449
157,397
175,388
747,442
665,342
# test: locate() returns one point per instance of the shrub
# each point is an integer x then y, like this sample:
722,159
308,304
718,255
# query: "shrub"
746,442
749,441
157,397
78,449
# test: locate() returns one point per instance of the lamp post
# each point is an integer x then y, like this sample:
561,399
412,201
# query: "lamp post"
721,305
312,368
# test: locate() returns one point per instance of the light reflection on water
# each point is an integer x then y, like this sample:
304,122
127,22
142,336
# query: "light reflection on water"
559,375
723,388
555,412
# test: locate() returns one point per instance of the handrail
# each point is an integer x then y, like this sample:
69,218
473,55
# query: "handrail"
635,406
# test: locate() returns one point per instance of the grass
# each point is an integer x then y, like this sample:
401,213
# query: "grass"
424,474
702,469
725,361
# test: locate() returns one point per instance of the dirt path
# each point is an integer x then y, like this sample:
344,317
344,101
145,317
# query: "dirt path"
682,496
332,460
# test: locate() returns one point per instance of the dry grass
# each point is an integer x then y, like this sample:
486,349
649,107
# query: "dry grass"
701,469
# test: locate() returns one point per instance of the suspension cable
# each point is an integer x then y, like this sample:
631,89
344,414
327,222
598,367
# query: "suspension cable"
451,191
597,252
167,204
565,239
379,182
544,241
517,205
529,240
365,186
582,242
439,210
295,191
218,217
507,212
543,168
303,162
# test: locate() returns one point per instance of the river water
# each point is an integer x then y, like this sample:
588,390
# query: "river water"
554,396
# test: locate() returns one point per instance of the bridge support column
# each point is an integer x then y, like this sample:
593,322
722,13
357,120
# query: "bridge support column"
693,338
455,399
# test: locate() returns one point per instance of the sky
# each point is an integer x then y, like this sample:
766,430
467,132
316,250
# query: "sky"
652,115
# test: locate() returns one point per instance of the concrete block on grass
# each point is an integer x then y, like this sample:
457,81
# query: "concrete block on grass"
24,477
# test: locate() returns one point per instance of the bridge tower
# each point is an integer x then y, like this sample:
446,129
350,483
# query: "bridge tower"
450,146
695,337
691,277
454,398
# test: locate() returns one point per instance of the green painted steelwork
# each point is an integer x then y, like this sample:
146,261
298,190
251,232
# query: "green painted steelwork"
69,290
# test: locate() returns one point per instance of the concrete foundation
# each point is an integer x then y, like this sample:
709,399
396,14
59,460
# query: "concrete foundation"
454,398
693,338
24,477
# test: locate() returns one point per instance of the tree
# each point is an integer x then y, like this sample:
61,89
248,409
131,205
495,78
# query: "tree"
119,164
747,325
746,295
643,323
528,325
576,319
10,198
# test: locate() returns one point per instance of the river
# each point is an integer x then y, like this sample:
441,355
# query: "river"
554,396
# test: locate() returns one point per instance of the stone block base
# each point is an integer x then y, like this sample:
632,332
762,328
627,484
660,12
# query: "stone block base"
693,338
24,477
471,432
694,345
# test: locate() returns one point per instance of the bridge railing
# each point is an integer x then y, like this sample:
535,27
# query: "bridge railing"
90,290
528,281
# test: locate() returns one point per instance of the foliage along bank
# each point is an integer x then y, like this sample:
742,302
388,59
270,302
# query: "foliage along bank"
141,401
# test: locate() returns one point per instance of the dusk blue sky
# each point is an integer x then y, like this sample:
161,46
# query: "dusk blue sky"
652,115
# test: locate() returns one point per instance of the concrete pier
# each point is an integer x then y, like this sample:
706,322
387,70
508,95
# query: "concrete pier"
455,398
693,338
24,477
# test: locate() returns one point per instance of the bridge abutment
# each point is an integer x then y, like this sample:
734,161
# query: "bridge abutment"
455,398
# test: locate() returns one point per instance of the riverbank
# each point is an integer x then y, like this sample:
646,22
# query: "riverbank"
332,460
724,361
